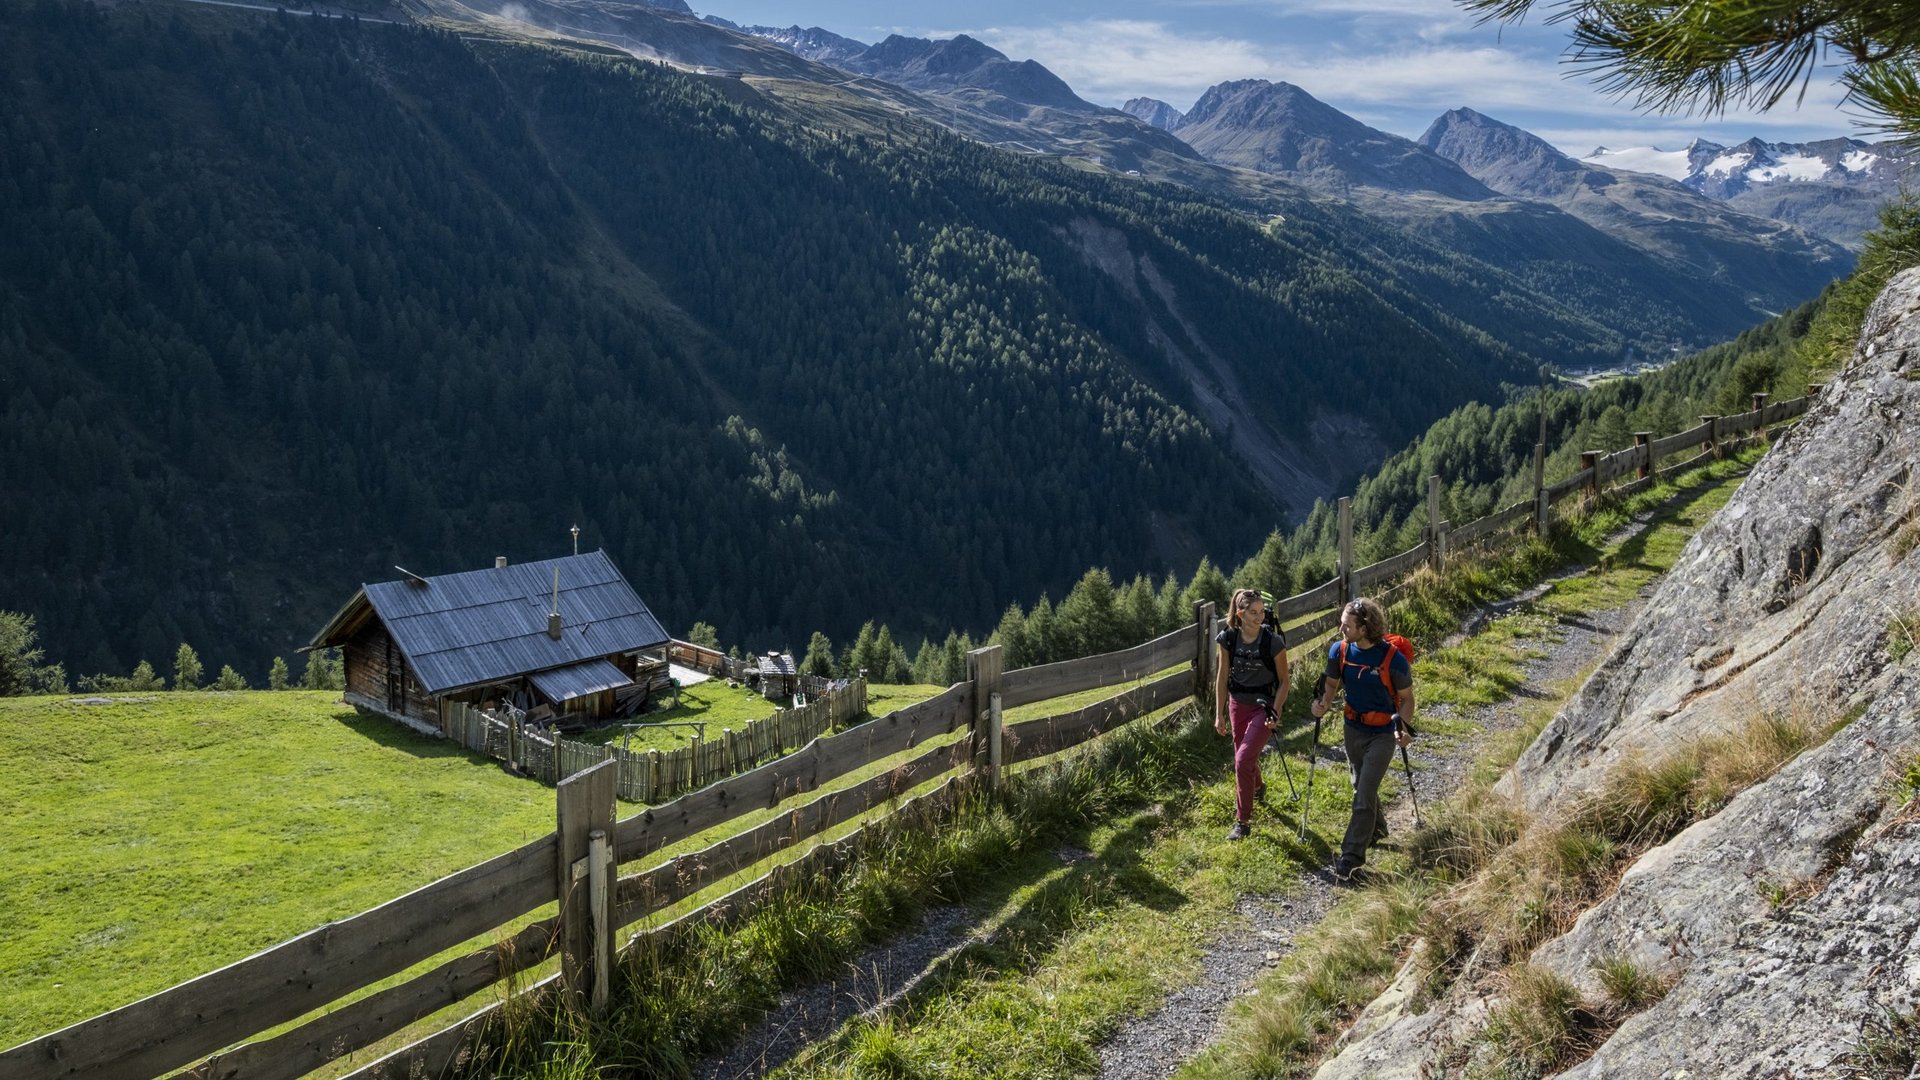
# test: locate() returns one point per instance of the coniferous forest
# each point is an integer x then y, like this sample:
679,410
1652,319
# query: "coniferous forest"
287,302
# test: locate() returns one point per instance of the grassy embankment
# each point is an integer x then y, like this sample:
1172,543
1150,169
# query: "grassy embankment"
1068,946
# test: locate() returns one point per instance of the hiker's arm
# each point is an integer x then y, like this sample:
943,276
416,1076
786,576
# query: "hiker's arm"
1222,664
1324,699
1405,731
1281,669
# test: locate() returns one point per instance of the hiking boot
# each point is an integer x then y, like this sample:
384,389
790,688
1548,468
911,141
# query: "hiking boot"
1240,831
1345,867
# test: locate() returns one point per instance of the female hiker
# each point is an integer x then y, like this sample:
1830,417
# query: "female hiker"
1250,685
1377,679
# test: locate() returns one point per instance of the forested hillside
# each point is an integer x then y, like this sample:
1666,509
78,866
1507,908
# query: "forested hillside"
289,301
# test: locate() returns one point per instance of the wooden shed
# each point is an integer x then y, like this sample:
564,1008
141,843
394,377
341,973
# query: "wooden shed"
569,634
777,675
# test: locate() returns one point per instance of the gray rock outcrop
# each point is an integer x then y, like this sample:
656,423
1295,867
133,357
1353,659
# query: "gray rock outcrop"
1791,918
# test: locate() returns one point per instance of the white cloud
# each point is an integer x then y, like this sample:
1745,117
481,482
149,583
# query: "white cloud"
1110,60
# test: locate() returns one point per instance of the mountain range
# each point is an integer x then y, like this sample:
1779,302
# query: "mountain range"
1831,187
1612,242
744,314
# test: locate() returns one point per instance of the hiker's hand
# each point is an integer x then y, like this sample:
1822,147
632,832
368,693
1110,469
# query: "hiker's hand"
1402,734
1318,708
1219,724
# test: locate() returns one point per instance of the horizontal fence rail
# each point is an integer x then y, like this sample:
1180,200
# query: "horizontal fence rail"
958,734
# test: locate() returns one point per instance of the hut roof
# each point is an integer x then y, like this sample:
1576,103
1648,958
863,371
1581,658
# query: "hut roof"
488,626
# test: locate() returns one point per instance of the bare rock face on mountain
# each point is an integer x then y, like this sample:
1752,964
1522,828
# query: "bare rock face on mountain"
1791,918
1154,113
1779,600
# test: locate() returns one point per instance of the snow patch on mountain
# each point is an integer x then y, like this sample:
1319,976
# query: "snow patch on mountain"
1672,164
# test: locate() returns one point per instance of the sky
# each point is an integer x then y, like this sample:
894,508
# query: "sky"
1393,64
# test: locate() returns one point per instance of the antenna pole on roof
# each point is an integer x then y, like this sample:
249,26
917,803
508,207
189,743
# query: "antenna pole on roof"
555,610
412,578
576,539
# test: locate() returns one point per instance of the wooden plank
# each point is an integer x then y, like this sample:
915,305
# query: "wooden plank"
350,1027
1027,685
180,1025
820,762
924,809
1318,598
1052,734
1474,530
1390,568
1312,628
1555,491
1633,487
640,895
439,1053
1685,440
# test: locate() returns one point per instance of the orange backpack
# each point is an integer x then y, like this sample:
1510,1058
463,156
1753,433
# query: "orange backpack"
1395,643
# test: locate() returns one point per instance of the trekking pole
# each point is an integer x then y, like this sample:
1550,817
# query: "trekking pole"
1313,757
1408,765
1273,724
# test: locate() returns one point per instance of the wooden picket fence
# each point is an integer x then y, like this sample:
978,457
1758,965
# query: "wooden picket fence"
605,874
651,776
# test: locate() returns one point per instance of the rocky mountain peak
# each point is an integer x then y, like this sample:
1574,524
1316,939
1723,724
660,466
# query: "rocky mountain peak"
1279,128
1505,158
1154,112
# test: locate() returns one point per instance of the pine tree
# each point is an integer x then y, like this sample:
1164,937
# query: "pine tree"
704,635
186,668
145,678
229,679
1208,584
1011,636
819,660
1270,569
277,674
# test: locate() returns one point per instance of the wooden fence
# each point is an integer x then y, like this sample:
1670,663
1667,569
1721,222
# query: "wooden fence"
199,1025
651,776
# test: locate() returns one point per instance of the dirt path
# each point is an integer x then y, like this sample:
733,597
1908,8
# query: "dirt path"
1154,1046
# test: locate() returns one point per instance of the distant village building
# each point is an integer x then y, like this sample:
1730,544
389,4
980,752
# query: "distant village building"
586,647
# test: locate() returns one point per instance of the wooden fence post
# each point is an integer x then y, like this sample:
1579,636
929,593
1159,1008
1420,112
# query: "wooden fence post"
584,807
1643,442
1203,657
1713,435
1346,549
1436,528
983,670
1540,486
1590,464
1760,416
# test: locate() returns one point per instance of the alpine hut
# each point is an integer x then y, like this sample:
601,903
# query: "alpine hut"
565,636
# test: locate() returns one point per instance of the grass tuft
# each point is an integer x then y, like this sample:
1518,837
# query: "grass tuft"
1903,634
1630,986
1541,1026
1889,1047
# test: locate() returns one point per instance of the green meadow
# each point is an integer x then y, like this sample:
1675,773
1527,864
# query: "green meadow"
155,838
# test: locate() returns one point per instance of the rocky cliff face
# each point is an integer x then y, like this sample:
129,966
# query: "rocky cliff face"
1792,917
